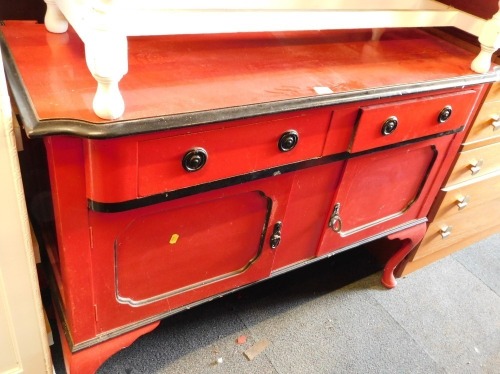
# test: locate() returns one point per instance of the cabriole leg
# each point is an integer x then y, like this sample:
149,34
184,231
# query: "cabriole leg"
410,237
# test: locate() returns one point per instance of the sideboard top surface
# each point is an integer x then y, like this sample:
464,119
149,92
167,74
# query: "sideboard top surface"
182,80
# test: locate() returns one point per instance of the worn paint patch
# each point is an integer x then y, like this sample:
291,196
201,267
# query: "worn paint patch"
174,238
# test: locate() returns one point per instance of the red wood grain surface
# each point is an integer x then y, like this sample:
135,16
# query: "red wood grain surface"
179,74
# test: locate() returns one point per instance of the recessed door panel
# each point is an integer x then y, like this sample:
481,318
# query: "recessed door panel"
381,190
171,251
381,186
155,259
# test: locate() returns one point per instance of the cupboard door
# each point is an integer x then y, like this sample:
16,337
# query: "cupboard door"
172,250
158,258
382,190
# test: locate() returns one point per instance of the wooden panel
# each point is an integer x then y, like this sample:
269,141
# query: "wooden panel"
488,155
494,93
482,216
482,128
463,227
461,198
452,247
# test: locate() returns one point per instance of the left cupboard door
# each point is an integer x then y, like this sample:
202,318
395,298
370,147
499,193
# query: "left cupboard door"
152,260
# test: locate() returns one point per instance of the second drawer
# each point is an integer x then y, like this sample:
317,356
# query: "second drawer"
451,224
475,163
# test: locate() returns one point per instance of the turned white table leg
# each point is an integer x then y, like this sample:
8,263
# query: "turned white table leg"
106,55
54,20
107,61
490,42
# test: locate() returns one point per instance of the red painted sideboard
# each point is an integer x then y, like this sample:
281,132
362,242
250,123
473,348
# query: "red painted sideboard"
228,168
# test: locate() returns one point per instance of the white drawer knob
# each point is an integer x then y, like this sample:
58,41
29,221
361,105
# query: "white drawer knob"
462,201
475,166
446,231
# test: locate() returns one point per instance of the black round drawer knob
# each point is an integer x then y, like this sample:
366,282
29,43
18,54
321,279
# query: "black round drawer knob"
390,125
288,141
195,159
445,114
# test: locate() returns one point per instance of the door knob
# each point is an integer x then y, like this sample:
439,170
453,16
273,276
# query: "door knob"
462,201
288,141
446,231
445,114
389,125
194,159
475,166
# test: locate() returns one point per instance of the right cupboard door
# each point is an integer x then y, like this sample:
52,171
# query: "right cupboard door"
384,189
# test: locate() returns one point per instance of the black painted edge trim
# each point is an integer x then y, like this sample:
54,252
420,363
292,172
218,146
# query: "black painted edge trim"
36,127
210,186
19,92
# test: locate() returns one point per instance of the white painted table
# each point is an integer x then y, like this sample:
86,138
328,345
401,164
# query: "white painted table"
104,25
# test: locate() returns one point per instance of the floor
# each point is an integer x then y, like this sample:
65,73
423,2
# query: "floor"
327,318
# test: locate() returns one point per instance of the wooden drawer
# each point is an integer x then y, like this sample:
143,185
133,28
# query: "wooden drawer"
483,127
475,163
126,168
411,119
494,93
229,151
482,214
458,199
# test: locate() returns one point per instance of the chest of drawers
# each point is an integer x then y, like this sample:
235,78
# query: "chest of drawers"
467,208
192,196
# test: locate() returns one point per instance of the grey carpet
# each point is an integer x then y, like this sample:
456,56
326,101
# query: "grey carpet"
444,318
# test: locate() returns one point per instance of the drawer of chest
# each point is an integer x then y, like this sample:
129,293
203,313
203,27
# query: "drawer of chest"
385,124
175,162
459,199
482,215
465,211
487,123
494,93
458,230
475,163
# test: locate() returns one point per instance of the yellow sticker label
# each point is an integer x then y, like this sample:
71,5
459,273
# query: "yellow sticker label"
174,238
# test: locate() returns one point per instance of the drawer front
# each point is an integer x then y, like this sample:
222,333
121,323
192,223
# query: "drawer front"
494,93
385,124
463,228
229,151
451,225
462,198
475,163
487,123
